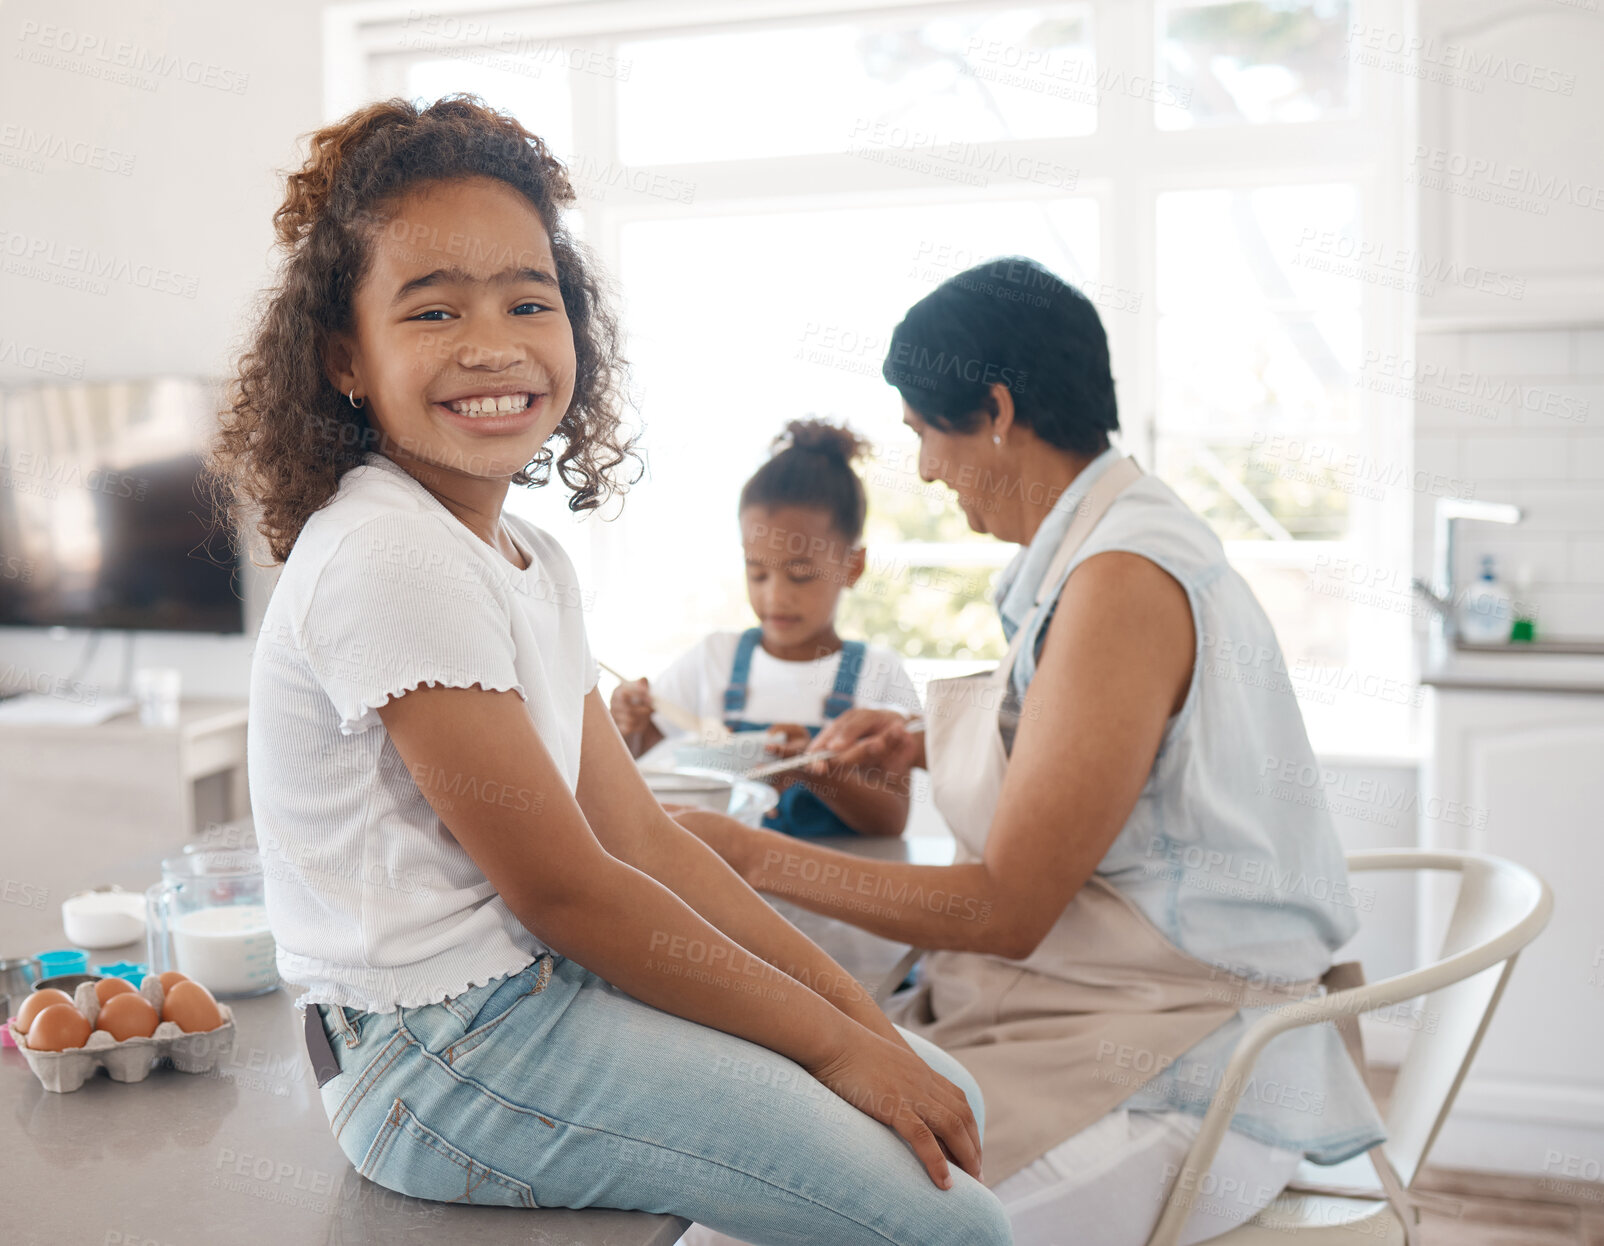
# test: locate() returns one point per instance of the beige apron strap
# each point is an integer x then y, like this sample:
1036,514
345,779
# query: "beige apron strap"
1087,512
1343,977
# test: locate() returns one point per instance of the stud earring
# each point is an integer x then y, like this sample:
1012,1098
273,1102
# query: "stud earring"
351,398
996,439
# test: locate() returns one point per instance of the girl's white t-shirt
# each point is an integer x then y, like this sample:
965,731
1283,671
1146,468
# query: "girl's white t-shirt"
777,691
371,901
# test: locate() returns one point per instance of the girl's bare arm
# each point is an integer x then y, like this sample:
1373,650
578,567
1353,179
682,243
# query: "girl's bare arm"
632,825
476,757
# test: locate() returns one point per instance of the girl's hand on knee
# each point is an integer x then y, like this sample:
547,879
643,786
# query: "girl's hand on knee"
897,1088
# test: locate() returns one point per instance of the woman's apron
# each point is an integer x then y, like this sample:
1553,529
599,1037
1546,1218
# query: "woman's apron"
1107,1002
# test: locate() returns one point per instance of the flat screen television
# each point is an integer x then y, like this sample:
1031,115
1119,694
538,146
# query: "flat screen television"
104,520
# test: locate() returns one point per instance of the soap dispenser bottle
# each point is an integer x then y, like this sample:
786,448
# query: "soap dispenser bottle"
1484,615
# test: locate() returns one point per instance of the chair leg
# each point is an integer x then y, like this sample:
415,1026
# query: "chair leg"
894,979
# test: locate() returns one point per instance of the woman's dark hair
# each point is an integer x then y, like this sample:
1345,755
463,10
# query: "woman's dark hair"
1013,321
287,435
813,467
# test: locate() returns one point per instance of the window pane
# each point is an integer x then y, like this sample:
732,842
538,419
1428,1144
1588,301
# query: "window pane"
1254,61
1257,350
534,89
1259,429
891,83
741,323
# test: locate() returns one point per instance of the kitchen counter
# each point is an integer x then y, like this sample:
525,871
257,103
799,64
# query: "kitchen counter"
1541,667
245,1154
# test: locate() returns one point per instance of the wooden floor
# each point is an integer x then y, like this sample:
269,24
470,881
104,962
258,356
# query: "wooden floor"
1489,1209
1461,1208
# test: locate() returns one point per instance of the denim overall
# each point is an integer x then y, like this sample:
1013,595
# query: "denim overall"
800,811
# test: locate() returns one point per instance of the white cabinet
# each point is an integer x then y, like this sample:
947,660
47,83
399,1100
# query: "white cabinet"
1509,166
1520,774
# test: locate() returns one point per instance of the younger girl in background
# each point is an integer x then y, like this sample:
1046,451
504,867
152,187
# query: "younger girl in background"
801,519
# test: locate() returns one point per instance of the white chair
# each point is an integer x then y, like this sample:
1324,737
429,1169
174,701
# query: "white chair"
1500,908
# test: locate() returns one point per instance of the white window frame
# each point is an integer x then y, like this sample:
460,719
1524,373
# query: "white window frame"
1124,165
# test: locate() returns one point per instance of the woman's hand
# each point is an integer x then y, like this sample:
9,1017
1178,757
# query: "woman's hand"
631,707
897,1088
865,737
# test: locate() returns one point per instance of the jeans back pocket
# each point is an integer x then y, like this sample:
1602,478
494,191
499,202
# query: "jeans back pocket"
410,1158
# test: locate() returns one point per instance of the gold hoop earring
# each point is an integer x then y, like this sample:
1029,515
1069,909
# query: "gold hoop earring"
351,398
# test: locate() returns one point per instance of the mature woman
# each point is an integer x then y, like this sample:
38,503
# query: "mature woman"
1135,879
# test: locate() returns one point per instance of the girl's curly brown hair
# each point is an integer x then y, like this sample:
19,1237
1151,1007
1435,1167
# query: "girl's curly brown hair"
287,435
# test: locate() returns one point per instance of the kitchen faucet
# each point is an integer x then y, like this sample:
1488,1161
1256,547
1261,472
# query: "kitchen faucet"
1440,594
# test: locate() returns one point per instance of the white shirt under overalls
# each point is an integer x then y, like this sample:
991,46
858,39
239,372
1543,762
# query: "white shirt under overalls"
778,691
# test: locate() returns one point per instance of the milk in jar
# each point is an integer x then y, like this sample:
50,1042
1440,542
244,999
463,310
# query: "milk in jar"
227,949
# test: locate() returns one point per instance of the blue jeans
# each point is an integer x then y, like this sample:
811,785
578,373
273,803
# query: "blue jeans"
550,1087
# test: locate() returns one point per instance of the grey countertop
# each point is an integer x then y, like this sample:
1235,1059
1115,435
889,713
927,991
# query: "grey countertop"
1574,666
244,1154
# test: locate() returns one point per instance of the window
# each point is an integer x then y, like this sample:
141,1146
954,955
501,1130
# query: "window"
829,86
782,355
773,185
1252,62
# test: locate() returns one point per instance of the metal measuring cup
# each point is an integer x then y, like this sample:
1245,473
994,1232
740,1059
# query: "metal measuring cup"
17,976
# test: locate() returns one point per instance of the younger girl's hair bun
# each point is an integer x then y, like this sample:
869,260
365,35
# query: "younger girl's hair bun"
812,466
836,441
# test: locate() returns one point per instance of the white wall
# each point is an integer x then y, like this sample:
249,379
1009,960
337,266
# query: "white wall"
1520,416
195,202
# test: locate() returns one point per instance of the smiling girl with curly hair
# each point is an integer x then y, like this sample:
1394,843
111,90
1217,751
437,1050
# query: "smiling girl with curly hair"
527,984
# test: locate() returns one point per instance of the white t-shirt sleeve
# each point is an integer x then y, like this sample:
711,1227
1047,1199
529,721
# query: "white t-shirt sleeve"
592,667
400,603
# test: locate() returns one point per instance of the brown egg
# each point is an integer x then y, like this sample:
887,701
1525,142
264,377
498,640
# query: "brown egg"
190,1006
57,1028
36,1003
170,977
107,987
128,1015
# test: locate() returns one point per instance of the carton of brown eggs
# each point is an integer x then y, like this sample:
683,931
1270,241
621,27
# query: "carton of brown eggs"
129,1059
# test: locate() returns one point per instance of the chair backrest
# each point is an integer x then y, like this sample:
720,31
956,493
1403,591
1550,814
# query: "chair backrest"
1500,903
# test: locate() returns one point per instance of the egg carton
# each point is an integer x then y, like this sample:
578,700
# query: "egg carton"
132,1059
